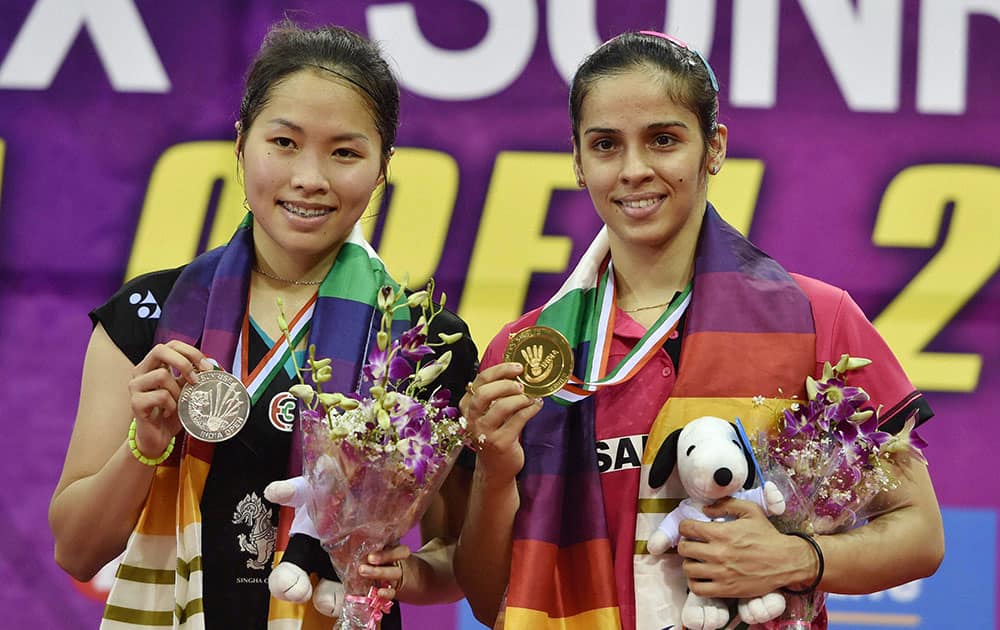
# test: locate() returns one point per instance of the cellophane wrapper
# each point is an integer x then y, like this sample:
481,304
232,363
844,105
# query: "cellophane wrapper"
361,502
826,492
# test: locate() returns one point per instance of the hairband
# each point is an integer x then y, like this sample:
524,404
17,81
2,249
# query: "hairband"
681,44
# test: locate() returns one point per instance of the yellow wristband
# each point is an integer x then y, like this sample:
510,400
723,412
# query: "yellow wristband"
138,454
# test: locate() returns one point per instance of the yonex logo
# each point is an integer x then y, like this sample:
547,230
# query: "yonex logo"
148,307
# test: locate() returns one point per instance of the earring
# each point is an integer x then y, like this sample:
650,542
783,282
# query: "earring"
580,183
714,169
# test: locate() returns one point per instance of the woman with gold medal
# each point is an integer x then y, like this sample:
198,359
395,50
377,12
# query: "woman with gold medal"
670,314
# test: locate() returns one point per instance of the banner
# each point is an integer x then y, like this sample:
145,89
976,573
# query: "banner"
864,150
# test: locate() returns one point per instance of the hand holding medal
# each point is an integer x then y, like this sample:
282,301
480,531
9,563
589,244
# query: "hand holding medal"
504,397
546,357
154,392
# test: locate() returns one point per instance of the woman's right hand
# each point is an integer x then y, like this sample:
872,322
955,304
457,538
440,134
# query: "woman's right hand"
154,390
496,410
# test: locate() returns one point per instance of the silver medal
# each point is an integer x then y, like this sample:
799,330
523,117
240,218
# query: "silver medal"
215,408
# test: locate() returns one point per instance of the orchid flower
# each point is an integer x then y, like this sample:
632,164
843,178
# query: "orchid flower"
907,440
389,415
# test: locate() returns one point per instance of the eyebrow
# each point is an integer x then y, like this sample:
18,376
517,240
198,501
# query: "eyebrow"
656,125
283,122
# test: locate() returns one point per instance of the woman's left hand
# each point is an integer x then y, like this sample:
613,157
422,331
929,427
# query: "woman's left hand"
743,557
388,568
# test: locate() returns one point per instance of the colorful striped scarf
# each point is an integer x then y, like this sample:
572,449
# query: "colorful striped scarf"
749,331
159,582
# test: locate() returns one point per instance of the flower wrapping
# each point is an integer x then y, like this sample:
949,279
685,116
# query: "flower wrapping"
830,460
361,502
373,462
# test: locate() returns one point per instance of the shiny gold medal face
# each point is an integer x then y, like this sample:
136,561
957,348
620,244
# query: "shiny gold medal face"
546,357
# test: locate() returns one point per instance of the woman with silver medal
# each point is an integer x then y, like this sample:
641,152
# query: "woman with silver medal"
313,142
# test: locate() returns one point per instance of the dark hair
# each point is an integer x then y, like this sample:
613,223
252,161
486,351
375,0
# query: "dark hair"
693,87
287,48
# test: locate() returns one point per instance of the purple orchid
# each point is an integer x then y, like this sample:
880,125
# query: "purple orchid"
836,390
441,398
869,430
376,366
832,454
411,344
794,425
846,432
399,368
418,451
907,440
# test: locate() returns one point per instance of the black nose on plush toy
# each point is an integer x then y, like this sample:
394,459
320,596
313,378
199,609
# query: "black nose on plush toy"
723,476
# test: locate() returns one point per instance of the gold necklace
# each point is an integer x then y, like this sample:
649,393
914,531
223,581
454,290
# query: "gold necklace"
286,280
646,308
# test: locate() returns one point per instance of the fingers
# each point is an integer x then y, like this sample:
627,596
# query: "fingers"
695,550
698,571
178,358
157,379
734,508
490,385
387,567
503,423
495,401
151,399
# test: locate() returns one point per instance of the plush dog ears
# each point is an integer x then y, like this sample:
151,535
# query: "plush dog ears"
666,459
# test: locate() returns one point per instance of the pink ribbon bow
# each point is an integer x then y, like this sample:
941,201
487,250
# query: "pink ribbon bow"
377,606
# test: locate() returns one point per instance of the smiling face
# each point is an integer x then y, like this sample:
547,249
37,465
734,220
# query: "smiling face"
643,159
311,160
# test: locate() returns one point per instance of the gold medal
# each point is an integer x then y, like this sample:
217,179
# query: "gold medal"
215,408
546,356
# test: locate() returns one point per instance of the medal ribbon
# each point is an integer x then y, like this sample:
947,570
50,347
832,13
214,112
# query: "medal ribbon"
274,361
602,328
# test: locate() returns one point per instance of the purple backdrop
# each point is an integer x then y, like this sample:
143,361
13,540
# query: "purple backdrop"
871,125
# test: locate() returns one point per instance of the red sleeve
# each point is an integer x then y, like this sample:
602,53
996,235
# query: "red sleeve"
494,352
843,328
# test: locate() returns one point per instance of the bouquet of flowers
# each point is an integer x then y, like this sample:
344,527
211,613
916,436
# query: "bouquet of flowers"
374,462
829,459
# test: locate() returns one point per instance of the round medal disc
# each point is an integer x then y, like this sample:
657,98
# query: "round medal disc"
215,408
546,356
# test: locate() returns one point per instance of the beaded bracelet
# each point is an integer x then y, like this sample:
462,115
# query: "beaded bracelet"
138,454
819,557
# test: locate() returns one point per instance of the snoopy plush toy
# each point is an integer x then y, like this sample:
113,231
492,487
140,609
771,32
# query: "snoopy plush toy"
712,462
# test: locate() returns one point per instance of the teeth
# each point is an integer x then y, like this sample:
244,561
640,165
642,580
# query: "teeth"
641,203
305,212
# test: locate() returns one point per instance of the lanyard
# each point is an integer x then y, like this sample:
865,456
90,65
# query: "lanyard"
596,372
267,369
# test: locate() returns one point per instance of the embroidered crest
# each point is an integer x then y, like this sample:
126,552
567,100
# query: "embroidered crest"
259,543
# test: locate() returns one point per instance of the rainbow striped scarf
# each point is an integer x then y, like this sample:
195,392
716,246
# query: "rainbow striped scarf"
159,583
749,331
